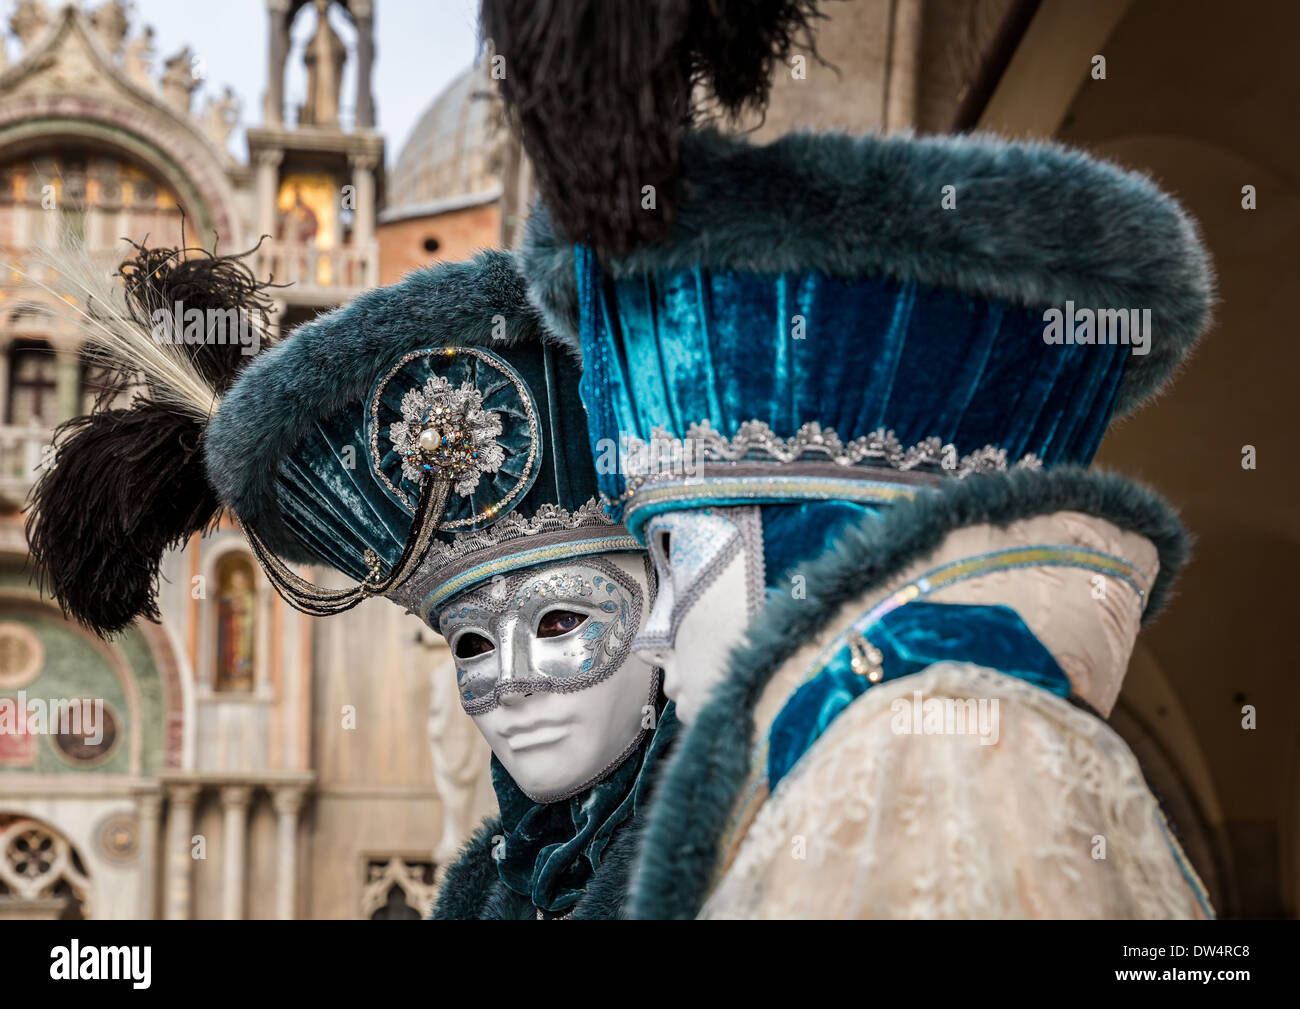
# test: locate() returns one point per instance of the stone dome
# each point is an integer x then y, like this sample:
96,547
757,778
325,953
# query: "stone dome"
454,151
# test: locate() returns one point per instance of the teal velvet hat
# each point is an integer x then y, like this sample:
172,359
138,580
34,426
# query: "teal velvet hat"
835,318
328,446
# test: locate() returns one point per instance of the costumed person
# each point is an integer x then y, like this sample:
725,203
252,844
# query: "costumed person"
426,440
893,602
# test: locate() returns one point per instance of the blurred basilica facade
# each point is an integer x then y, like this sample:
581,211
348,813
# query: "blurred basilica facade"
253,762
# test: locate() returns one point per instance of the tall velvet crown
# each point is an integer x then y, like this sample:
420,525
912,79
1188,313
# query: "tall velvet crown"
318,446
840,318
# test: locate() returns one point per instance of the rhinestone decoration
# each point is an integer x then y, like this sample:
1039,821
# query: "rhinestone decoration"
865,658
560,585
445,432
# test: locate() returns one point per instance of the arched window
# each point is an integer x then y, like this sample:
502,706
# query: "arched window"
236,613
42,876
33,384
398,888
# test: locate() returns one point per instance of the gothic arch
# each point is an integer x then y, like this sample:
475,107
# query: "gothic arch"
107,109
178,704
42,874
32,123
161,665
218,549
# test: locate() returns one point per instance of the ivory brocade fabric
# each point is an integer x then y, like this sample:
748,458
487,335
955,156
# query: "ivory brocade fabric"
1037,810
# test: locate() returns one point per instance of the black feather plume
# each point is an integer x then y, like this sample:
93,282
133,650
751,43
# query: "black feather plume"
162,279
602,91
125,487
127,483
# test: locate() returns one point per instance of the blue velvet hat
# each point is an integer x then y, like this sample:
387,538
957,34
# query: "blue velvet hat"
328,445
841,319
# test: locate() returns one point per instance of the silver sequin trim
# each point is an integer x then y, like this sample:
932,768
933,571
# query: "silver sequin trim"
665,456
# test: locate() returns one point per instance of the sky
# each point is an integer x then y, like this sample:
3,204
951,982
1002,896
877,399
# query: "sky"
420,47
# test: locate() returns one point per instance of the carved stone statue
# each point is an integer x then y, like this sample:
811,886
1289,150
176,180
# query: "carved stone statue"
137,62
324,59
460,758
29,21
110,24
220,116
178,81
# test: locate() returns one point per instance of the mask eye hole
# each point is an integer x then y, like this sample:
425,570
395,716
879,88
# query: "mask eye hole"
665,547
555,623
470,644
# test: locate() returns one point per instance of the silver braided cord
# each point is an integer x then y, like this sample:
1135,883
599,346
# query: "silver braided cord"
319,601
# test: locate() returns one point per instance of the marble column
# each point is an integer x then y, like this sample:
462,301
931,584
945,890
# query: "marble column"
363,18
181,798
363,187
67,386
904,63
4,381
234,809
278,55
148,810
363,219
268,185
287,801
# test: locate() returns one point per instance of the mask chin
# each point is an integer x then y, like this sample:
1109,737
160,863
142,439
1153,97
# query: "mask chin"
595,731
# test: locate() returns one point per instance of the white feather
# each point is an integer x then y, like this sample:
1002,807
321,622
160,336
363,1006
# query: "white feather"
91,297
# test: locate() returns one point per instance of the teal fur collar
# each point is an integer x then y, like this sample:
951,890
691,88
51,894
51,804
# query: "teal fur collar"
698,788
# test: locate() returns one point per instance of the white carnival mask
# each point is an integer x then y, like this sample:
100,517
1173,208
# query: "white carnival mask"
545,668
709,570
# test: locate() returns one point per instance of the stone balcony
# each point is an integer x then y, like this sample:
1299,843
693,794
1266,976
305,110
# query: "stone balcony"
318,276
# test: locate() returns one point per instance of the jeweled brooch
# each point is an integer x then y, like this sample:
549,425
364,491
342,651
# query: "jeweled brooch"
446,433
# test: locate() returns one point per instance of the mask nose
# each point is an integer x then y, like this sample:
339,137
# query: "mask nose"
656,641
514,659
655,654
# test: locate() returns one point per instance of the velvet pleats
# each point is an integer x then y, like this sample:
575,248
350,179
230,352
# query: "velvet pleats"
669,349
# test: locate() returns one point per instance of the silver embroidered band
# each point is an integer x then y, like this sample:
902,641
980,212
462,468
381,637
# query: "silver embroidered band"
757,465
551,534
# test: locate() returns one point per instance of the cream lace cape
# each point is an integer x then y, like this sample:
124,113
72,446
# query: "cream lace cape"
1050,819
